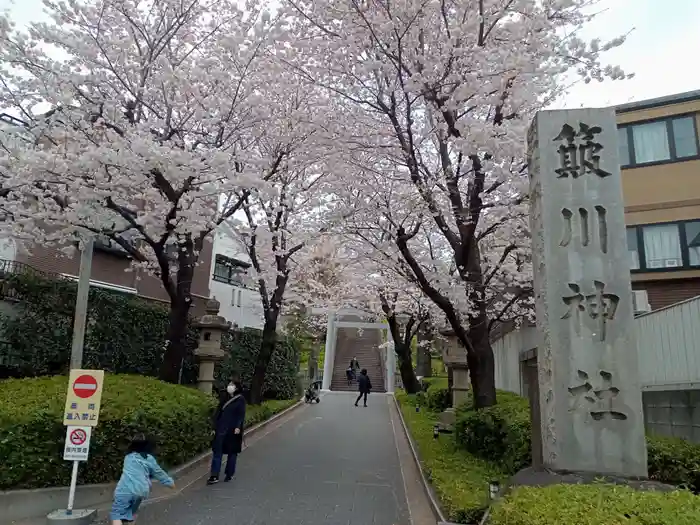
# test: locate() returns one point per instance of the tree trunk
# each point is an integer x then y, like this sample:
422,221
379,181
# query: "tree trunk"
481,364
408,375
267,348
176,344
180,303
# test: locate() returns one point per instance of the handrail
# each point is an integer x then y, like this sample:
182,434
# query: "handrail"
16,267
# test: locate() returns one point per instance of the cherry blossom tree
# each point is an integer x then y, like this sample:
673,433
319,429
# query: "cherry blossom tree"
282,223
352,274
133,116
441,94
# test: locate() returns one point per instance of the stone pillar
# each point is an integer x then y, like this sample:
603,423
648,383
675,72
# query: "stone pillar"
590,397
390,364
460,384
329,357
211,328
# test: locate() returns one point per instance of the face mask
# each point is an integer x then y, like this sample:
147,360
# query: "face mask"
230,389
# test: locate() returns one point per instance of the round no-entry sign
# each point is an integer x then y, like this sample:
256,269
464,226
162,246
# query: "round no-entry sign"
78,436
85,386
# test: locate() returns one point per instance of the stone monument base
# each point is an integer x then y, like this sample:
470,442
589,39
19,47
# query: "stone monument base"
540,477
448,419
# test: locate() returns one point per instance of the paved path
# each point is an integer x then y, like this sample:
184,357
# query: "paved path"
330,464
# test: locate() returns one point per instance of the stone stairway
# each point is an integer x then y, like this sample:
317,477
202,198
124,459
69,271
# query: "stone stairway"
365,348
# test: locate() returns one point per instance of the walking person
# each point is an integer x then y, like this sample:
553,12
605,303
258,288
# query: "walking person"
354,366
364,385
228,432
135,482
348,376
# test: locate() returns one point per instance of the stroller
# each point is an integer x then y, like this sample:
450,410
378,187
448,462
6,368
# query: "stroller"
313,392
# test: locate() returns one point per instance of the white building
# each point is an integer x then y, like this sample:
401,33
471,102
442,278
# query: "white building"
229,282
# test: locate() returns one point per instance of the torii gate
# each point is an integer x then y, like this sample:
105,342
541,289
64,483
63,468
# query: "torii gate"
331,338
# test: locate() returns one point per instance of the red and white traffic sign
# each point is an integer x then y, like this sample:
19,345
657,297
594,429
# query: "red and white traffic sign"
78,436
77,446
82,408
85,386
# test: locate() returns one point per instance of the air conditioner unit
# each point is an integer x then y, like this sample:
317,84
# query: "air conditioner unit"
640,301
655,263
672,263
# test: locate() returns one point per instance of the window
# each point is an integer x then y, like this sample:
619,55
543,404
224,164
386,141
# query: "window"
692,235
230,271
667,246
236,298
663,140
633,248
662,246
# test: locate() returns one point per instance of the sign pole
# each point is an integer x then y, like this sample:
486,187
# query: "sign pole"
76,363
71,492
81,304
79,322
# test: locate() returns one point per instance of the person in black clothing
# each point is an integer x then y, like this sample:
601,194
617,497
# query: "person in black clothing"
364,386
354,366
228,432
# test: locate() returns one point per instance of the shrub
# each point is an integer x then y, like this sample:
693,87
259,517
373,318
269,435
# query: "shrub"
242,348
499,434
439,399
32,434
674,460
595,505
503,433
460,479
125,335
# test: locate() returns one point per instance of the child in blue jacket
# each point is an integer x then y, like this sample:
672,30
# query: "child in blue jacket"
135,483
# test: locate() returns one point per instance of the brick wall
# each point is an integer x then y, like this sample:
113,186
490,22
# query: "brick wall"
668,292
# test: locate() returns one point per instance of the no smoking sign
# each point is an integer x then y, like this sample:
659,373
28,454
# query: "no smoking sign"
77,446
78,436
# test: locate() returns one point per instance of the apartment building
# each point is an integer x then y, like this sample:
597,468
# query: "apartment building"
230,283
660,162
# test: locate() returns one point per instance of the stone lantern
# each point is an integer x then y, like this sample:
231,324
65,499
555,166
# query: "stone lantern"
209,352
455,358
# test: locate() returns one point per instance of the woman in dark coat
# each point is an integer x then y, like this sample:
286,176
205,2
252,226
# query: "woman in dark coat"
228,432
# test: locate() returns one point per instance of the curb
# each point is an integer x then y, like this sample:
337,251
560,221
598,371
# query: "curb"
434,504
31,505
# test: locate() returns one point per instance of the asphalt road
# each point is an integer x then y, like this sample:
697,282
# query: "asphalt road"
331,464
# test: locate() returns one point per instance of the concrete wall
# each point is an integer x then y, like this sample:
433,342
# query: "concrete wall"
668,346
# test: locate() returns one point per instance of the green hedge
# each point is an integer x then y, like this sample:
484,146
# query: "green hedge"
674,460
460,479
595,505
125,335
32,434
242,348
502,434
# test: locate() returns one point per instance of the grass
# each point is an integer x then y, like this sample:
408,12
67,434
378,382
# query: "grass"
597,504
460,480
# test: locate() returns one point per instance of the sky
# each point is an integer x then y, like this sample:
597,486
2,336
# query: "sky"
661,49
